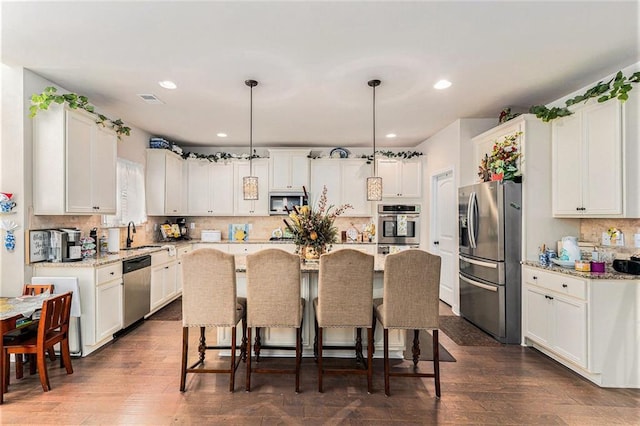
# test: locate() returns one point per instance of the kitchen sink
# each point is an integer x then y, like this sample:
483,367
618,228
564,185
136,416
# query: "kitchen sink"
141,247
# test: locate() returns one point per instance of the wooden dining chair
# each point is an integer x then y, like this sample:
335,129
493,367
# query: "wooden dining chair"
209,301
411,302
32,290
345,300
273,300
53,328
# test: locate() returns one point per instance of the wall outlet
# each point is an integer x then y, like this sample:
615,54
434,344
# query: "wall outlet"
606,239
192,225
636,240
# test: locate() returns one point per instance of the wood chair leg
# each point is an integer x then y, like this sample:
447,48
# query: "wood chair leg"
6,360
202,345
19,366
42,370
369,360
185,349
298,357
65,355
436,362
258,344
243,350
247,385
416,348
32,363
232,378
386,361
359,356
319,334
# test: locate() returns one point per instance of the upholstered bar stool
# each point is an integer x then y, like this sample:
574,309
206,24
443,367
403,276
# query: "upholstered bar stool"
209,300
273,300
410,301
345,300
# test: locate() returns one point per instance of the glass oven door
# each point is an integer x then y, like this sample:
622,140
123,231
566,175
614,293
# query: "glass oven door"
399,229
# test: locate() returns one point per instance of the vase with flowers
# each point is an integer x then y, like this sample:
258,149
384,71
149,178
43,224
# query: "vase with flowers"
313,228
502,163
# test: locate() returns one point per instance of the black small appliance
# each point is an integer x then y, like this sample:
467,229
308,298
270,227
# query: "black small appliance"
184,229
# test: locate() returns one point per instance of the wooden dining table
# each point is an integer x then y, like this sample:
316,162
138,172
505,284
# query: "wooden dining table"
14,314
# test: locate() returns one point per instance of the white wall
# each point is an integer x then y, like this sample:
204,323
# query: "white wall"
449,149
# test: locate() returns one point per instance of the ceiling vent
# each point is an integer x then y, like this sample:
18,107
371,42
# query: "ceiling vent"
151,99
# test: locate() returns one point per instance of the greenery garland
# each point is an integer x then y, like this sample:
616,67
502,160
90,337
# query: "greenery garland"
405,155
74,101
218,156
617,87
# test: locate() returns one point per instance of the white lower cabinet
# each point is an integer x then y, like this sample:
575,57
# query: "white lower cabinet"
558,323
163,279
108,308
100,299
588,325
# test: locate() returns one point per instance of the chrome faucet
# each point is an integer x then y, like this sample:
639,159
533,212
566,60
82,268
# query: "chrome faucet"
129,236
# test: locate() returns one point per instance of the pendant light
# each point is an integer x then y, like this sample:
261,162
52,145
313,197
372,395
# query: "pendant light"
250,183
374,183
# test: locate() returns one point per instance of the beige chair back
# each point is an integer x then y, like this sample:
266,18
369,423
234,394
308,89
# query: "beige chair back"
208,289
273,289
411,290
345,289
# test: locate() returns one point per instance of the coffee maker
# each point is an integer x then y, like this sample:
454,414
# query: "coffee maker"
64,245
184,229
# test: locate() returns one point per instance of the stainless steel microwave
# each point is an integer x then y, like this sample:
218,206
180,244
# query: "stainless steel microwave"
279,202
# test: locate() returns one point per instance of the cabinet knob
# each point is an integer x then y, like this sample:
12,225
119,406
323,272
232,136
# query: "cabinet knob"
112,273
564,285
436,243
535,278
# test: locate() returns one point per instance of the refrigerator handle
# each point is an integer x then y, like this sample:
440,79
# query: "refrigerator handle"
479,263
478,284
471,219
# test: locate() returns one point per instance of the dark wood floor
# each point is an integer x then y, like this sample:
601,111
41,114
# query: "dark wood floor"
135,380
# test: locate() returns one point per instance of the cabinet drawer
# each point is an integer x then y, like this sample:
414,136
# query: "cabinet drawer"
161,257
108,273
241,248
559,283
183,250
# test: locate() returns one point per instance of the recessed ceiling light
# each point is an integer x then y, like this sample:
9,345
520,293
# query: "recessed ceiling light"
391,135
221,135
442,84
168,84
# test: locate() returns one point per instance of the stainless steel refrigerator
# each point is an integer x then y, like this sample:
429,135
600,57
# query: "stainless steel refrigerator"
490,229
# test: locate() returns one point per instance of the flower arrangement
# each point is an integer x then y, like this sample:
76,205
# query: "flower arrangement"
313,228
503,161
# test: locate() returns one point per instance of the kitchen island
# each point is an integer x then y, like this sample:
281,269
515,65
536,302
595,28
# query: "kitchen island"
100,282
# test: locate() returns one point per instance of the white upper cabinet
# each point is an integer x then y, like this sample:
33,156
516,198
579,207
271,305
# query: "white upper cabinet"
588,163
164,183
259,207
400,179
346,182
289,169
210,188
74,163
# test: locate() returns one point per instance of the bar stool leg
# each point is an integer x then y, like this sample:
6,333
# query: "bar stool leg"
248,379
386,361
319,359
416,348
436,362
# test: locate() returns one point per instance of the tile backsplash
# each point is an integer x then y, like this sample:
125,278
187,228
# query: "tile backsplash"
591,231
148,233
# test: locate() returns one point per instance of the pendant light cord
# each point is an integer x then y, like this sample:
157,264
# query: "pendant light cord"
374,84
251,84
375,174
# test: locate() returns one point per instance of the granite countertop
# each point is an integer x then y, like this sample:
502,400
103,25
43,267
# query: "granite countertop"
105,259
609,274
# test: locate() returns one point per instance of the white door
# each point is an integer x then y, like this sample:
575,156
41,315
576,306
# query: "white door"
443,235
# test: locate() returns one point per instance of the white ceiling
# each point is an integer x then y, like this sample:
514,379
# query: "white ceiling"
313,61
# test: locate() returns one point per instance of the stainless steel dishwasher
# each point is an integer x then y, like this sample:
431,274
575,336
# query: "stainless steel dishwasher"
136,274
